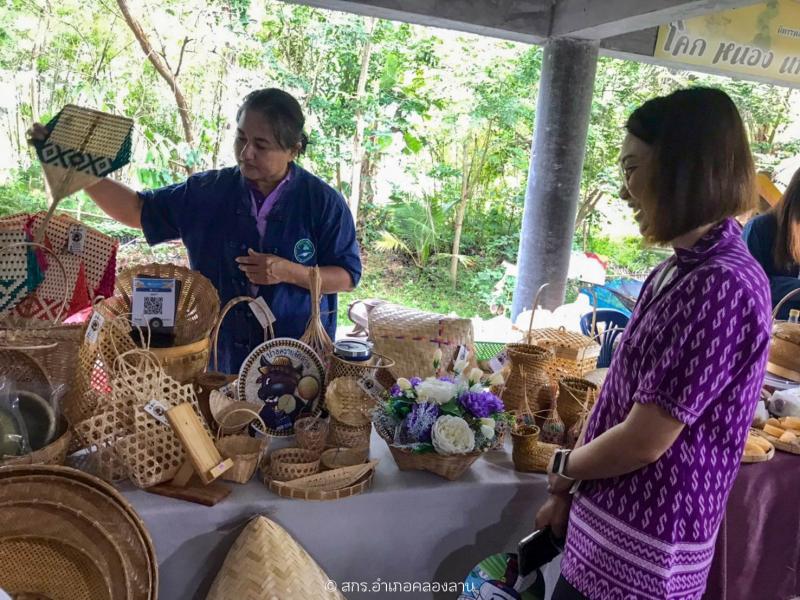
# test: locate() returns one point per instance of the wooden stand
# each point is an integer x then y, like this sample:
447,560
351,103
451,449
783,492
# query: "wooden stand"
204,460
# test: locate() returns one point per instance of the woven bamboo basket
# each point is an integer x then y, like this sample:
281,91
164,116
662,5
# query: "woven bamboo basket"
784,349
335,458
531,364
204,384
239,422
284,491
348,403
106,503
269,331
39,567
574,354
411,337
553,430
358,369
330,481
749,458
311,433
245,451
450,467
525,440
292,463
55,453
266,562
540,457
342,435
575,398
779,445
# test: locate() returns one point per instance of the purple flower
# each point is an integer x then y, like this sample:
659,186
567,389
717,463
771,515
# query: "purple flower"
395,390
447,378
481,404
415,381
421,419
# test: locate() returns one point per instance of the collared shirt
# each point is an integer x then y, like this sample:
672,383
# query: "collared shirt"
211,212
698,350
261,207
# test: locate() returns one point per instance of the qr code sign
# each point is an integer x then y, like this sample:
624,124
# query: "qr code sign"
153,305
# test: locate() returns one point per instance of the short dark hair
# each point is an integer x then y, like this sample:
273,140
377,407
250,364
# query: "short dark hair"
702,166
283,113
787,212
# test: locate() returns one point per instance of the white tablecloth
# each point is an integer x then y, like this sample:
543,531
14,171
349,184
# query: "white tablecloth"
409,527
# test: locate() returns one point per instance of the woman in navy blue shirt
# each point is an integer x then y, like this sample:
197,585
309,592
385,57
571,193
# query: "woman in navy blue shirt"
253,229
774,240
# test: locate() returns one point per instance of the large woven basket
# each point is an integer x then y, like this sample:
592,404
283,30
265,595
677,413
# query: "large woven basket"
54,453
266,562
411,337
784,349
245,451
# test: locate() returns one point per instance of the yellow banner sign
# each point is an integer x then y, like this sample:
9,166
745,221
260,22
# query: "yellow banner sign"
762,40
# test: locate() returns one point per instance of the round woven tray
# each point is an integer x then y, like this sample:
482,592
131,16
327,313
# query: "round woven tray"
296,494
292,463
44,567
56,475
779,445
334,458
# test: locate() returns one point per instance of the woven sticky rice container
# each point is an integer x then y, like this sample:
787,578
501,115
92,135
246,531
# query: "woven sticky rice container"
244,450
524,439
575,397
529,376
411,337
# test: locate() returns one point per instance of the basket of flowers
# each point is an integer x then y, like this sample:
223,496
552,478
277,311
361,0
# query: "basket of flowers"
441,424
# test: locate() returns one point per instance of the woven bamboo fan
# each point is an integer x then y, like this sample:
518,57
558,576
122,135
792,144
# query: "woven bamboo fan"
784,350
82,146
266,562
574,354
411,337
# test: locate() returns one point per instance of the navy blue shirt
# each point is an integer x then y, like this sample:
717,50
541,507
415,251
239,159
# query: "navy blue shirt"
211,212
759,235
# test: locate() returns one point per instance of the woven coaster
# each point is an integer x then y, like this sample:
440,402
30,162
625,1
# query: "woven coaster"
83,145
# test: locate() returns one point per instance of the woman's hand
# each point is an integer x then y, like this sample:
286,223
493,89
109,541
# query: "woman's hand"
268,269
36,133
555,514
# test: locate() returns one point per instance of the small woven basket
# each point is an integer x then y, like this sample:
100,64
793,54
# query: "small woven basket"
358,369
342,435
531,364
311,433
292,463
245,451
553,429
525,440
348,403
575,397
449,466
330,481
335,458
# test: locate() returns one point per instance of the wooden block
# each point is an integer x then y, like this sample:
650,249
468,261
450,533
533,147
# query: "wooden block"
184,474
199,446
207,495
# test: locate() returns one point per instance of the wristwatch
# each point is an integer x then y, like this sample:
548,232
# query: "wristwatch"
560,463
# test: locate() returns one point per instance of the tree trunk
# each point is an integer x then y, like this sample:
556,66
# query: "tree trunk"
588,206
164,71
358,139
462,207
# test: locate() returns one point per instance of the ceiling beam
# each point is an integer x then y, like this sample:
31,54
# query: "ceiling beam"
518,20
593,19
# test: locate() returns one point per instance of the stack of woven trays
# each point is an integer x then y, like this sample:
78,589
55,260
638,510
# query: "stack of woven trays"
66,534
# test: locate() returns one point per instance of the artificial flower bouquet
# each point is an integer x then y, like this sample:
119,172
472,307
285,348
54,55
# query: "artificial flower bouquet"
442,424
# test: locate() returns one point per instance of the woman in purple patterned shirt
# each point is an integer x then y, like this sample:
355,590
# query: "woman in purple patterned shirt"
662,447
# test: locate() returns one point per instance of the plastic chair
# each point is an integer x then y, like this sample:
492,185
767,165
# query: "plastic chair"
609,324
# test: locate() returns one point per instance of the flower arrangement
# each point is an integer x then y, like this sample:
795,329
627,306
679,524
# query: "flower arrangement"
446,415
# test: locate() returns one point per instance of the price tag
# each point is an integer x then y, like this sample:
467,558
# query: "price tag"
497,363
374,389
153,302
263,313
462,353
95,325
76,239
157,410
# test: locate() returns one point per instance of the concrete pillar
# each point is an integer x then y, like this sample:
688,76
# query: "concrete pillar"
559,144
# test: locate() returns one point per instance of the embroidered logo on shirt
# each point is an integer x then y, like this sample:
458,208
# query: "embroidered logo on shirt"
304,250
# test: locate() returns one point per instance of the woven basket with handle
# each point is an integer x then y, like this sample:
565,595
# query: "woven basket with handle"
537,387
575,397
292,463
245,451
784,349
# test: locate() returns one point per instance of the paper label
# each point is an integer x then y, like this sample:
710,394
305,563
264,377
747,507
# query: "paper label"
153,302
95,325
157,410
497,363
262,315
374,389
76,239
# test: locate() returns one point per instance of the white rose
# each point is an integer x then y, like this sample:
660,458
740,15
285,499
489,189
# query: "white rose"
487,428
437,358
452,435
433,390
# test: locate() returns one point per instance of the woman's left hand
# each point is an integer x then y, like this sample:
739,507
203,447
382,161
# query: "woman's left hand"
266,269
555,515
